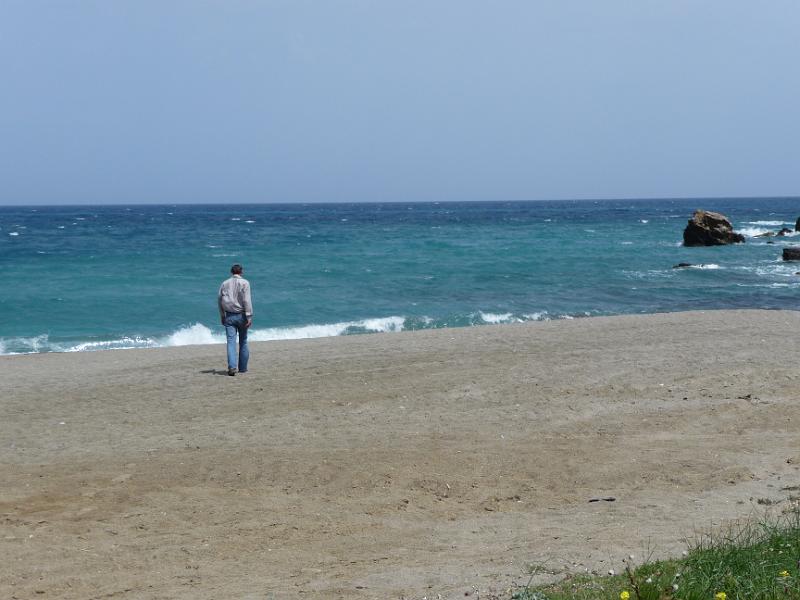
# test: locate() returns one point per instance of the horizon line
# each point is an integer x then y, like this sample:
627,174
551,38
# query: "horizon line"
332,202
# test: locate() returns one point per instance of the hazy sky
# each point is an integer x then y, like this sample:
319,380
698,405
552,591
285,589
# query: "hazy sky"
297,101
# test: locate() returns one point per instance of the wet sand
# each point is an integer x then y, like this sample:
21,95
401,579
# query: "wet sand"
396,465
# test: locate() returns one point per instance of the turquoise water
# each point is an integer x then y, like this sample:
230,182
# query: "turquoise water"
95,277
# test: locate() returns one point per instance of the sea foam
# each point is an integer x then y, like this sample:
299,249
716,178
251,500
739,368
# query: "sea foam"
124,343
378,325
193,334
754,231
199,334
495,318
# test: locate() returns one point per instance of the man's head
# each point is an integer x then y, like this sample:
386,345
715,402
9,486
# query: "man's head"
236,269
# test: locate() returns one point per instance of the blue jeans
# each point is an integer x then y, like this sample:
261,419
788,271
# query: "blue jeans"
237,323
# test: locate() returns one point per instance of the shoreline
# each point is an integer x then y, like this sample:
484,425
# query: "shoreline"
378,325
388,466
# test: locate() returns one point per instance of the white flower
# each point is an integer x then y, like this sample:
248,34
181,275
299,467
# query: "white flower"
649,580
675,587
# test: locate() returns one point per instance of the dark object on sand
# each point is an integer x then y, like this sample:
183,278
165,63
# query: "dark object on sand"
791,253
605,499
682,265
707,228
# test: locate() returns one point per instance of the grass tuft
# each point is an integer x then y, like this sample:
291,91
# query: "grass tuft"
755,561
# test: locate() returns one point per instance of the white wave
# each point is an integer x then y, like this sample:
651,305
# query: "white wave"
379,325
753,231
298,333
768,223
645,221
498,317
38,343
199,334
626,243
780,269
193,334
14,233
710,267
124,343
249,221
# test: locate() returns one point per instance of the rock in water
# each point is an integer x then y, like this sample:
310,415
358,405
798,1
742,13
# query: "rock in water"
791,253
797,225
708,228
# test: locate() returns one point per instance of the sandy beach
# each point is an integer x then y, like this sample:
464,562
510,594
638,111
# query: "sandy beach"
387,466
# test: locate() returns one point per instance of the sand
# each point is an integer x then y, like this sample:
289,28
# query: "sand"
399,465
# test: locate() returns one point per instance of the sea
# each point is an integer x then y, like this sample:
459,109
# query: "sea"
84,278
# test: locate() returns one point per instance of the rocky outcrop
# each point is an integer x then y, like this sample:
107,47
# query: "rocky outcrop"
791,253
707,228
783,232
797,225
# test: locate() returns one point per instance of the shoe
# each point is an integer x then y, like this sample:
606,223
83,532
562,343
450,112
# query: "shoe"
242,371
231,372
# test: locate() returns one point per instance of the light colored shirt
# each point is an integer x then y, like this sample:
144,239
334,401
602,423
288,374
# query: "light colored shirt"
234,296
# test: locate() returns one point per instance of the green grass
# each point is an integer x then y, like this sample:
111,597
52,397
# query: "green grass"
750,562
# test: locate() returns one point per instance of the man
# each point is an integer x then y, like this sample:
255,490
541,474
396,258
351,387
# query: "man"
236,314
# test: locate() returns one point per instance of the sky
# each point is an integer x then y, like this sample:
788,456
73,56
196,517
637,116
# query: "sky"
152,101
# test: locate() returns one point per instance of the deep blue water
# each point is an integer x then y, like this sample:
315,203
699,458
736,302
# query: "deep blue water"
92,277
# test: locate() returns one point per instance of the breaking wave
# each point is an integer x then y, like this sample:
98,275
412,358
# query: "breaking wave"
769,223
755,231
199,334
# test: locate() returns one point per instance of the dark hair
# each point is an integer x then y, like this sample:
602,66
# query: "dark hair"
236,269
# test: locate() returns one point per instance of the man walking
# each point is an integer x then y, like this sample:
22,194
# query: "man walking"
236,314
